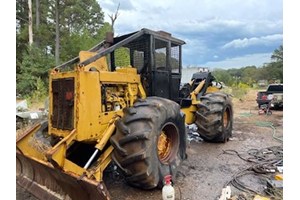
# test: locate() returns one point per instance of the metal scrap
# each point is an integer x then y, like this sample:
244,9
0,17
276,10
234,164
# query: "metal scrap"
24,117
226,193
192,134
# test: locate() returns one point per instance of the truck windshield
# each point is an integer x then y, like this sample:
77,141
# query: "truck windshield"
275,88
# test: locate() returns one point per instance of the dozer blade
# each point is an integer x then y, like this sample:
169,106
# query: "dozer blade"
46,182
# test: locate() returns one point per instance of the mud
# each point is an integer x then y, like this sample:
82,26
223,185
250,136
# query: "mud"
207,169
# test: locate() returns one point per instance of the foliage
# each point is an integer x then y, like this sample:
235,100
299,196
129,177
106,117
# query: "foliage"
240,90
250,75
81,27
33,68
278,54
223,76
237,91
122,57
40,92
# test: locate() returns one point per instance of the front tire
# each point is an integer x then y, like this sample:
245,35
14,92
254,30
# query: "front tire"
150,142
214,117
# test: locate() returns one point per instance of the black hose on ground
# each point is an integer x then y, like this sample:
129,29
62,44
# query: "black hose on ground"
265,161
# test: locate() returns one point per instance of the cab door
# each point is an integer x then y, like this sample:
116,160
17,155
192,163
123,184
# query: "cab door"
175,69
161,71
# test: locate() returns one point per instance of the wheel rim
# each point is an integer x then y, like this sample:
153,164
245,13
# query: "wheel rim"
168,143
226,118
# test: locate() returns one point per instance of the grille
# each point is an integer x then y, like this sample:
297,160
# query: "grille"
63,103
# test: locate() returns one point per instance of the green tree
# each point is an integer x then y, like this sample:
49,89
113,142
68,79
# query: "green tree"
80,26
75,17
34,66
273,70
249,75
277,55
276,67
223,76
21,30
252,74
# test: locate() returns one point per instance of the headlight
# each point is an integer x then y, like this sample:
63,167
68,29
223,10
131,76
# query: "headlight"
270,97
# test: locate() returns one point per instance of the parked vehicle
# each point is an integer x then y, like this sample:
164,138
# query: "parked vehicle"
273,95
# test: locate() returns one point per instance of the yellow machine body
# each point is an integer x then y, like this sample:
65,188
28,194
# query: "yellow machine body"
89,120
92,121
190,111
84,104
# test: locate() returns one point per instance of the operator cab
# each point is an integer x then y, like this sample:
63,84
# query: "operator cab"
157,57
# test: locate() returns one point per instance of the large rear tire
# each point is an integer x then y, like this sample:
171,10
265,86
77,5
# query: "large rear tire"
214,117
150,142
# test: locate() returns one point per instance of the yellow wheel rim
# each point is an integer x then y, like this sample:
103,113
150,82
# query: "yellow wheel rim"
163,146
226,119
168,143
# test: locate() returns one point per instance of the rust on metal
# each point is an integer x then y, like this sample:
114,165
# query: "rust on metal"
63,103
46,182
168,143
226,118
163,146
33,128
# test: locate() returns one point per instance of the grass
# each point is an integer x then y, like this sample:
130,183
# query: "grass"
238,91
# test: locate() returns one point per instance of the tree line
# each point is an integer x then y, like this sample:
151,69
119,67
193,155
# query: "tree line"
50,32
251,75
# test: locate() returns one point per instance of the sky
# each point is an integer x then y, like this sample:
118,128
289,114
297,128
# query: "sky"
218,34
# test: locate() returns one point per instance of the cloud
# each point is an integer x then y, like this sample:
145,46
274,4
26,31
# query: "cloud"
241,61
226,28
246,42
110,6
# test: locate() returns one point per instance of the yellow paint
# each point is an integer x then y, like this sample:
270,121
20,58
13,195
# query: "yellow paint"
59,75
194,99
26,146
212,89
100,64
163,146
133,92
58,152
142,92
103,161
199,87
107,134
58,132
119,77
190,111
88,106
93,122
279,177
189,114
127,70
73,168
258,197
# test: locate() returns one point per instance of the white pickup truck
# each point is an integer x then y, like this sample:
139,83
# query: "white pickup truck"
273,95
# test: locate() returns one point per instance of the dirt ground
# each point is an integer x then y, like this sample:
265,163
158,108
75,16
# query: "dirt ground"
207,169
